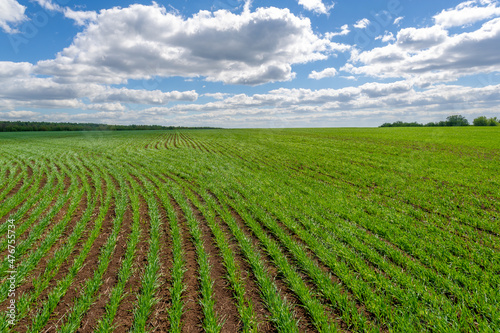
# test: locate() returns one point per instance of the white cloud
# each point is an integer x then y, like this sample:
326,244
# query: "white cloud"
377,101
218,95
10,69
145,42
49,5
19,89
430,55
316,6
140,42
11,13
125,95
368,95
467,13
398,20
344,31
247,5
105,107
327,72
371,99
387,37
80,17
19,115
422,38
362,24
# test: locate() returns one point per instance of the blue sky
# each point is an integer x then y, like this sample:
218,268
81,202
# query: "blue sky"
231,63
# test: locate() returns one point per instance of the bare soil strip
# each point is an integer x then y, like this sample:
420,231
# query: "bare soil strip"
225,306
124,315
193,315
40,268
110,278
304,321
64,268
86,272
158,321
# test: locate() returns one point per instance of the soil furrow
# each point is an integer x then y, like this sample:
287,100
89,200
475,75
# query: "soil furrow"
86,272
193,316
110,278
304,322
224,301
158,322
124,316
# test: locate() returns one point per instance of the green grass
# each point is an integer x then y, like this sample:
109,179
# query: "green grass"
365,230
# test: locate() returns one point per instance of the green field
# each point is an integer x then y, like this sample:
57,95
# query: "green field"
293,230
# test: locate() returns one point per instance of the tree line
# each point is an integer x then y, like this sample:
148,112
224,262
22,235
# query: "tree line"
455,120
23,126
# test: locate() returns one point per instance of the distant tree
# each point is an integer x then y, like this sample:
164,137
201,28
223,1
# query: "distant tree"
15,126
480,121
483,121
401,124
457,120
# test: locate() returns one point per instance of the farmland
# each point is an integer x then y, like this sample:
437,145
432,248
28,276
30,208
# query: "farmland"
303,230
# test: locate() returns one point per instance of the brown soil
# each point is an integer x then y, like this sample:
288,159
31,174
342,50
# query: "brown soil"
124,316
16,208
334,314
16,188
251,289
188,141
25,234
110,278
60,215
193,315
63,270
304,321
158,321
41,266
335,280
86,272
225,306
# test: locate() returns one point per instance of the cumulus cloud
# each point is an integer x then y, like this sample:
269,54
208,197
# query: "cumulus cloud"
125,95
9,69
422,38
105,107
140,42
343,32
398,20
80,17
218,95
431,55
301,106
387,37
327,72
368,95
145,42
467,13
19,115
49,5
19,89
316,6
362,24
11,13
305,105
